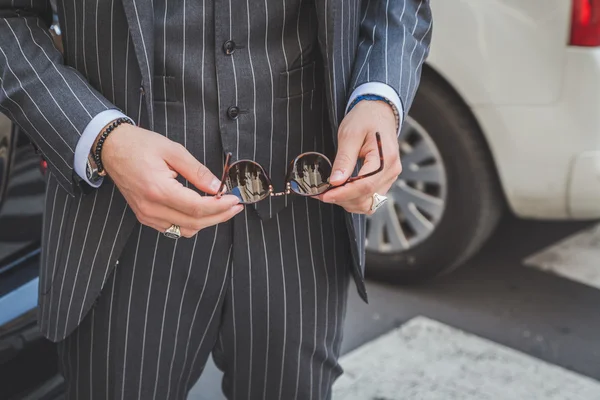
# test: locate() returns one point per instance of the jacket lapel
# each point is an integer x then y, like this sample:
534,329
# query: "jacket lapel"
140,17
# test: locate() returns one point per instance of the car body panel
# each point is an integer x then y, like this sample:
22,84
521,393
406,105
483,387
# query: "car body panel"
21,208
19,301
535,98
6,140
501,51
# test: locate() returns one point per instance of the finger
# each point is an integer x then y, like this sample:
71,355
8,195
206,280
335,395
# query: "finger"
357,189
175,195
222,217
182,161
185,232
358,206
362,205
167,215
162,225
201,223
384,189
349,146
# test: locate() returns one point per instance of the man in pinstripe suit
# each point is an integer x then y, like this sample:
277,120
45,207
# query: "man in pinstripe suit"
263,287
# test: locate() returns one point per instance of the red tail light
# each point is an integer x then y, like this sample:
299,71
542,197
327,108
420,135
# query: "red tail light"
43,166
585,24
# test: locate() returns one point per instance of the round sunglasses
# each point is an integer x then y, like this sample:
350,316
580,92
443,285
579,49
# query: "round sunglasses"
307,175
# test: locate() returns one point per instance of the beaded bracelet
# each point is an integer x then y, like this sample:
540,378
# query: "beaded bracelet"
107,131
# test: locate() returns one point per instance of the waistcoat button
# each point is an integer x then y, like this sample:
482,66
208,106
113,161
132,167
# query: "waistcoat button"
233,112
229,47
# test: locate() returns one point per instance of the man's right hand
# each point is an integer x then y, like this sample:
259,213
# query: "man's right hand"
144,165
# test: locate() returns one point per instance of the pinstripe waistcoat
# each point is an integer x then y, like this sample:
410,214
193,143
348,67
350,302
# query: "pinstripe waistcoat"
109,60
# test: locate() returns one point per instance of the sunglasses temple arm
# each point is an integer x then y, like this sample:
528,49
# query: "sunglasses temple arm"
381,163
225,171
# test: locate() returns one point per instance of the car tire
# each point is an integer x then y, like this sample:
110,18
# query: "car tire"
474,202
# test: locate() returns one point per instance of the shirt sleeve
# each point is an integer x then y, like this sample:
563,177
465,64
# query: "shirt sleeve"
89,135
379,89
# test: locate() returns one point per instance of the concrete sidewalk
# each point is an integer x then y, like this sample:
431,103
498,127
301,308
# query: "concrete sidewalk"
427,360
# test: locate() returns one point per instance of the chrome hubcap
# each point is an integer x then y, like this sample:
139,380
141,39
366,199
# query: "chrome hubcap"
417,200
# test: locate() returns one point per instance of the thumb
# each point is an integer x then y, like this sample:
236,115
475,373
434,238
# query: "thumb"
345,159
191,169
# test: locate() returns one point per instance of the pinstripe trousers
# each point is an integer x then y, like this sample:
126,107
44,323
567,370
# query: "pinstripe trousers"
267,298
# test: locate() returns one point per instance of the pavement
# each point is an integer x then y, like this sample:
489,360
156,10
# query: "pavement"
519,321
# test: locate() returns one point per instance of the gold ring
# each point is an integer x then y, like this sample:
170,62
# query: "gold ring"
174,232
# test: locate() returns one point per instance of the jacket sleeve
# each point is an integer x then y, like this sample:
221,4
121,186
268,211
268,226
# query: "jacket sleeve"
393,44
51,102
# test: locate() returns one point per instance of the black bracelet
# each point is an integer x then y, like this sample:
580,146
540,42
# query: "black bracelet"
107,131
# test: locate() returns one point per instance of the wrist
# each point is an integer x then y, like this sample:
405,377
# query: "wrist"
104,143
377,115
378,99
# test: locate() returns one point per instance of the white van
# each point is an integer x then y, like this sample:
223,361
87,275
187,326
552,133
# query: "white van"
507,117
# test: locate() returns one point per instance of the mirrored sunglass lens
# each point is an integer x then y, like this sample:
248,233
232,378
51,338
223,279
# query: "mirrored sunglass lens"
247,181
310,175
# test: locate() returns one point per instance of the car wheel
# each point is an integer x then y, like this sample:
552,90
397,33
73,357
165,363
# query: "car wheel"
446,202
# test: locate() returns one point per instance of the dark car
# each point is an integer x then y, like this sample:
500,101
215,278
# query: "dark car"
28,362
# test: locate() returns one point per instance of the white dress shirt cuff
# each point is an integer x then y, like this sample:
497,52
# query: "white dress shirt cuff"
379,89
89,135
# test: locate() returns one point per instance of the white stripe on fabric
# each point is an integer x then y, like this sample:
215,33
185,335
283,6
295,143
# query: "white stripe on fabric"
164,314
336,279
55,67
91,384
387,15
164,29
158,235
83,43
422,57
98,49
414,48
33,102
301,82
125,352
186,352
111,53
185,285
268,315
300,303
39,135
87,231
315,291
183,84
62,285
284,286
109,336
212,315
87,286
60,230
127,74
48,274
139,27
251,330
326,297
287,125
253,76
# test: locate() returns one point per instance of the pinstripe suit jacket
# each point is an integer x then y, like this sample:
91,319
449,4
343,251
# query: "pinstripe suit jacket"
54,98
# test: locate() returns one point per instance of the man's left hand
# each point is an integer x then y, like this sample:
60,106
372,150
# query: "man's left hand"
356,140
